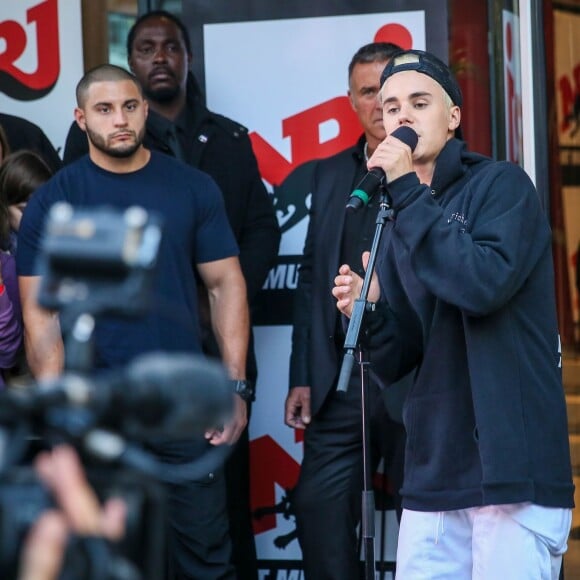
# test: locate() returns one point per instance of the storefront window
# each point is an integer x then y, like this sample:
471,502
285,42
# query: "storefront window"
506,75
121,15
119,25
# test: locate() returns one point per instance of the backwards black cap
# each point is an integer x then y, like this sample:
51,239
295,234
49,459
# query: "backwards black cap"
428,64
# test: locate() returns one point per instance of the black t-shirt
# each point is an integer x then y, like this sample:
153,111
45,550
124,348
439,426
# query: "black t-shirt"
195,231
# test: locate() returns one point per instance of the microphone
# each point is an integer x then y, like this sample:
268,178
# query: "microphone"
171,395
371,182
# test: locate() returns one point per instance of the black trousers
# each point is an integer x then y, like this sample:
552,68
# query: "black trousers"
237,473
198,541
327,498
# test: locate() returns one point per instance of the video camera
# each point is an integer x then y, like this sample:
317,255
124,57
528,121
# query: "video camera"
95,262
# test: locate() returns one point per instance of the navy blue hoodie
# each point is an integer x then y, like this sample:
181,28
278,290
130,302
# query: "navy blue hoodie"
466,268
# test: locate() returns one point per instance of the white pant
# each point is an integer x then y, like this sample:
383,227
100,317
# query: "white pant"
520,541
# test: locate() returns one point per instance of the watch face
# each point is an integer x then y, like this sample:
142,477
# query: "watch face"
244,389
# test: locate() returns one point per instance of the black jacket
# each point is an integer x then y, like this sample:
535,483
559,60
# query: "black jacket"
467,265
23,134
249,207
314,361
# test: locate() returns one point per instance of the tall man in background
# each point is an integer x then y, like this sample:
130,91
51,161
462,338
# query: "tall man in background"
120,172
327,499
160,56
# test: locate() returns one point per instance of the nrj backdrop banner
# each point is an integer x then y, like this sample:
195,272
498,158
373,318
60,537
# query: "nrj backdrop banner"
41,61
286,80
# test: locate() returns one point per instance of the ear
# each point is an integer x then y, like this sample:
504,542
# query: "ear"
350,98
454,118
80,118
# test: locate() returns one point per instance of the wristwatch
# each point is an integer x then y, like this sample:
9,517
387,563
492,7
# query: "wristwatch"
243,388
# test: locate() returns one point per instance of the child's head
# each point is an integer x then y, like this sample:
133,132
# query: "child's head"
21,173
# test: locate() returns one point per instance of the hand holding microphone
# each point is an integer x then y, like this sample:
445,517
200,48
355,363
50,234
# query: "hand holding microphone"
376,177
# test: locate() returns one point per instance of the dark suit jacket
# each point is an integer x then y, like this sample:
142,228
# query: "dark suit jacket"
314,361
23,134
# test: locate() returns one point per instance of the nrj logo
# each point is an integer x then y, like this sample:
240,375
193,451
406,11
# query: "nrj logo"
15,38
291,181
569,90
291,178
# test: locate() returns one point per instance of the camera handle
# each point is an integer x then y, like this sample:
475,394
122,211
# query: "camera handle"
79,344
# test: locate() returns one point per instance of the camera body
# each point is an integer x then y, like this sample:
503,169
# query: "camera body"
93,262
98,260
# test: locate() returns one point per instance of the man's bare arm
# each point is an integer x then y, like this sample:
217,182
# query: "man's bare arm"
231,326
42,338
229,312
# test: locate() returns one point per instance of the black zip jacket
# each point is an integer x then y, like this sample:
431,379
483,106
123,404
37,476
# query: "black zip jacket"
467,266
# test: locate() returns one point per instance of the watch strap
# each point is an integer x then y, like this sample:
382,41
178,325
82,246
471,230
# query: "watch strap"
244,389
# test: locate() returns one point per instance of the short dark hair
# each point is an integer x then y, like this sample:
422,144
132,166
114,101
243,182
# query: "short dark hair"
373,52
157,14
102,73
21,174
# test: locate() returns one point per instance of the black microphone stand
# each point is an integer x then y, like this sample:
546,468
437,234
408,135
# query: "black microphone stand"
354,343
